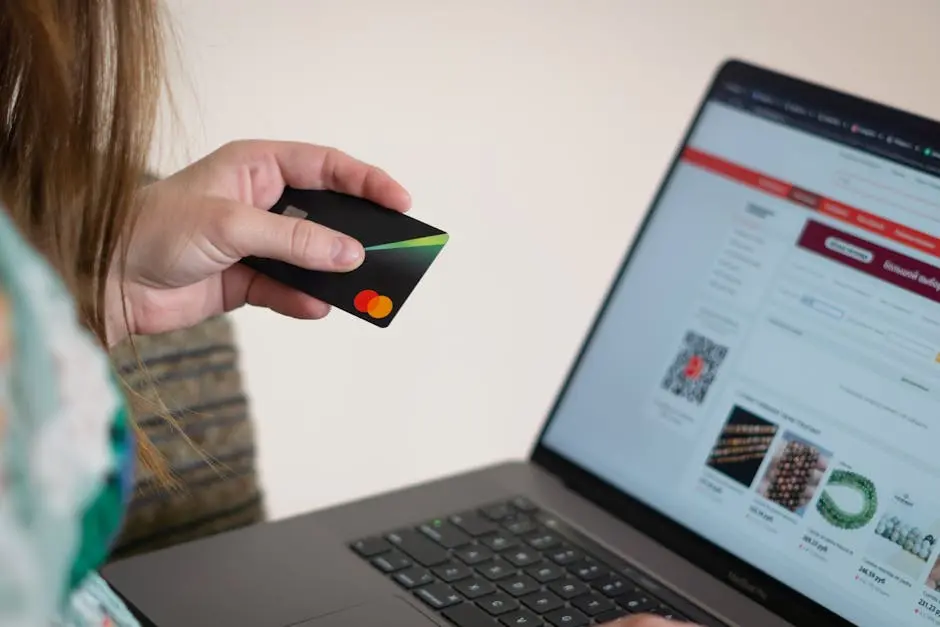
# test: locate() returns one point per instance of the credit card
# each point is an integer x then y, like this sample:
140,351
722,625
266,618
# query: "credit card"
399,250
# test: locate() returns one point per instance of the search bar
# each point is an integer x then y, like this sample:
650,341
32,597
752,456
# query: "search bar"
822,307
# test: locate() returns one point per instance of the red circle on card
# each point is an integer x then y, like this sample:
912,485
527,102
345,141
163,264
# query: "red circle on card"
363,298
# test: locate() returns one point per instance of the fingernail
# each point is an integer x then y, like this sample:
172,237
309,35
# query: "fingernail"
346,252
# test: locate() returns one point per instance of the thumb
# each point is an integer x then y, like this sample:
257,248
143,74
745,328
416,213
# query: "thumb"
242,230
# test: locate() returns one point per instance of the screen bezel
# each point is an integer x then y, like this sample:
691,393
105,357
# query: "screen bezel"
769,592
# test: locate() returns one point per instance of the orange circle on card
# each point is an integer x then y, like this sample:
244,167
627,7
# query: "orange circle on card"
372,303
363,298
380,306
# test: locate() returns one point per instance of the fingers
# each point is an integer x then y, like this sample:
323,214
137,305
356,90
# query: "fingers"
268,293
243,285
342,173
272,165
644,621
243,231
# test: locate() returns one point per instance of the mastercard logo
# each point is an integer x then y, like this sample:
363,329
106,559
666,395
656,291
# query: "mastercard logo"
372,303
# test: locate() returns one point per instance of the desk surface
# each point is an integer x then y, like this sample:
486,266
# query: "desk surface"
535,132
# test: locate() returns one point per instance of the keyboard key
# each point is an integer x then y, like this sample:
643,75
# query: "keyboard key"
445,533
613,585
565,555
452,571
542,602
498,603
419,547
593,604
497,512
610,616
474,524
520,525
370,547
567,617
524,505
521,618
438,595
519,585
587,569
474,554
414,577
637,602
543,541
391,562
568,588
468,615
474,588
500,541
546,572
664,611
496,569
522,557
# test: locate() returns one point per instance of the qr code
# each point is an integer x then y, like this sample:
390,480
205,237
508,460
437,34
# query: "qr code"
694,369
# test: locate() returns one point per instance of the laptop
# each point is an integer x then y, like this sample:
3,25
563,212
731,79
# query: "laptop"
747,437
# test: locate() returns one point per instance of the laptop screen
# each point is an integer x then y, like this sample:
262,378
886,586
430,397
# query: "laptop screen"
767,370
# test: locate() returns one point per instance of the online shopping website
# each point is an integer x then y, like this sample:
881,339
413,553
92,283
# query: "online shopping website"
768,371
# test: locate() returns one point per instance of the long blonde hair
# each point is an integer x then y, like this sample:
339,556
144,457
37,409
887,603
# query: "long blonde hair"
80,83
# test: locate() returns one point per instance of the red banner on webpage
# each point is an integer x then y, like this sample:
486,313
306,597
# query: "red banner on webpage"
811,200
881,263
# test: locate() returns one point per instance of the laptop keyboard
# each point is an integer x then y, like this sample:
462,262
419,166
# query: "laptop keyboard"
501,565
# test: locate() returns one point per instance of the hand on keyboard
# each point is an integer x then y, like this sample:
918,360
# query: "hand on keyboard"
645,621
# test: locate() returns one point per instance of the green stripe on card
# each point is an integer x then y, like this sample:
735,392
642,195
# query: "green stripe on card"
430,240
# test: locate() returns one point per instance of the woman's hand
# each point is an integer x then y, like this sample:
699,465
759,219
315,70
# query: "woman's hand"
196,225
645,621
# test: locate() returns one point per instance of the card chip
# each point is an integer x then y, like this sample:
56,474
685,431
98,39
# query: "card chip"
293,212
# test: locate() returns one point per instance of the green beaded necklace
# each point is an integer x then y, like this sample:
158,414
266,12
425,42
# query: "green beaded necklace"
837,516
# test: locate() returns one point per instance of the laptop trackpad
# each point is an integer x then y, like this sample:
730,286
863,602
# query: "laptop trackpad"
391,612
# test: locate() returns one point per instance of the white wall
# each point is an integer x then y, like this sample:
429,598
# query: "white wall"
535,131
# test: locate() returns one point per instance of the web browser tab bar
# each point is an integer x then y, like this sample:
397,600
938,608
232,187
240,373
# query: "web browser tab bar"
833,125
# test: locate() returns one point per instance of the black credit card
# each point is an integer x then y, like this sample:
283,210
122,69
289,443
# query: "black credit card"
399,250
